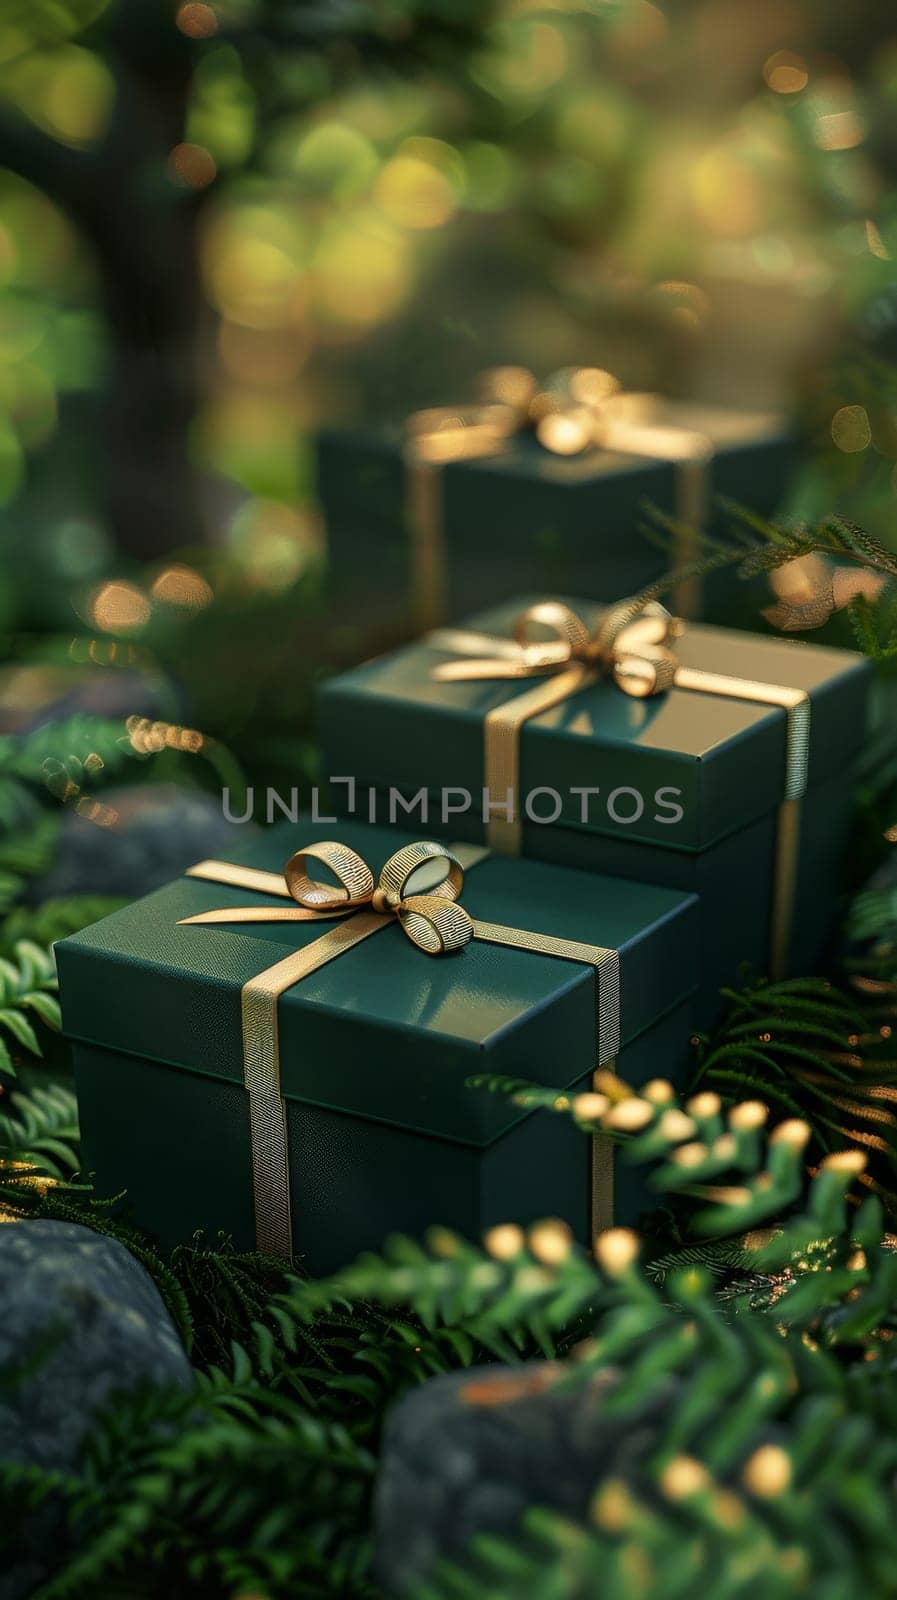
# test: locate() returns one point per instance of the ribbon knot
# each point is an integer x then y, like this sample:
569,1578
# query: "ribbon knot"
431,919
630,644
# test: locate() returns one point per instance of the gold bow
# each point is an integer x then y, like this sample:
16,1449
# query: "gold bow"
432,920
576,409
631,644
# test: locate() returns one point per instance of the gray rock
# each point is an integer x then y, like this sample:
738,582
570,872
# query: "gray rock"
158,830
469,1452
80,1321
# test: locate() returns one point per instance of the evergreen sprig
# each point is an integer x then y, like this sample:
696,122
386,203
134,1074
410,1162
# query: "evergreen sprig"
226,1487
819,1052
730,1486
204,1487
755,547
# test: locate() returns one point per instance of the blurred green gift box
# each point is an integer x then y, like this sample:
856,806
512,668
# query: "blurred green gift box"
421,535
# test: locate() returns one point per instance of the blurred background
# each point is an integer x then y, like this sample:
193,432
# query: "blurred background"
224,225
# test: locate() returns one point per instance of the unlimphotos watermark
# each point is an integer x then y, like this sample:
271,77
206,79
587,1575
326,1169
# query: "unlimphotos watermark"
582,805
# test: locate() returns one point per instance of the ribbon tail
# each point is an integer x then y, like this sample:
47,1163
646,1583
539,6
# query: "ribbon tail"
225,914
236,877
465,642
465,671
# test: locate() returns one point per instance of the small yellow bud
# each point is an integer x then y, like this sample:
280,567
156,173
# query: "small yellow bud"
730,1194
704,1105
728,1508
748,1115
616,1249
505,1241
612,1506
793,1132
442,1242
767,1472
676,1126
659,1091
629,1116
844,1161
682,1477
550,1241
689,1155
590,1107
607,1082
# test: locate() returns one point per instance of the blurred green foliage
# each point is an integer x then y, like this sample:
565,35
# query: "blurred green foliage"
224,222
362,204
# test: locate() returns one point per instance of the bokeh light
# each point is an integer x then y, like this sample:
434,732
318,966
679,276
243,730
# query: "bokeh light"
335,158
360,272
850,429
274,543
192,165
418,188
254,258
196,20
119,607
786,73
68,91
182,586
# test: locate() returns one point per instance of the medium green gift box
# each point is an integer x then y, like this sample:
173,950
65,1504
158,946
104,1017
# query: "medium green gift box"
416,540
729,777
370,1127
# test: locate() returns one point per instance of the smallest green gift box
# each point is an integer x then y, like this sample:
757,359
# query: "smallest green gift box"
734,781
420,542
371,1127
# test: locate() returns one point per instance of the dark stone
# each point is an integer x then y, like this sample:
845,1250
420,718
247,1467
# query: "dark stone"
82,1322
469,1452
157,831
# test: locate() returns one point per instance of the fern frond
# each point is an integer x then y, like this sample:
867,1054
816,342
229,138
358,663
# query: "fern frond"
42,1130
28,983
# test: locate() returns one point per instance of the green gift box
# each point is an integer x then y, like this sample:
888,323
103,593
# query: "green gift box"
419,541
745,803
380,1131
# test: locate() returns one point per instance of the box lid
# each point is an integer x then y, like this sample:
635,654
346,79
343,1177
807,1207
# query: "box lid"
384,1031
690,768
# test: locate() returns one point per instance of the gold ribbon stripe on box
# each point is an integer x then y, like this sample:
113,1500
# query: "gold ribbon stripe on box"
632,646
576,410
434,922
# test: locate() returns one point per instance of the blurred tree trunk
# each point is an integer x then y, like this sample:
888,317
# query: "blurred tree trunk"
142,228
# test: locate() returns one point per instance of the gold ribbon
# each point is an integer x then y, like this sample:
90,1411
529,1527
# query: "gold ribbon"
632,645
577,409
433,921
